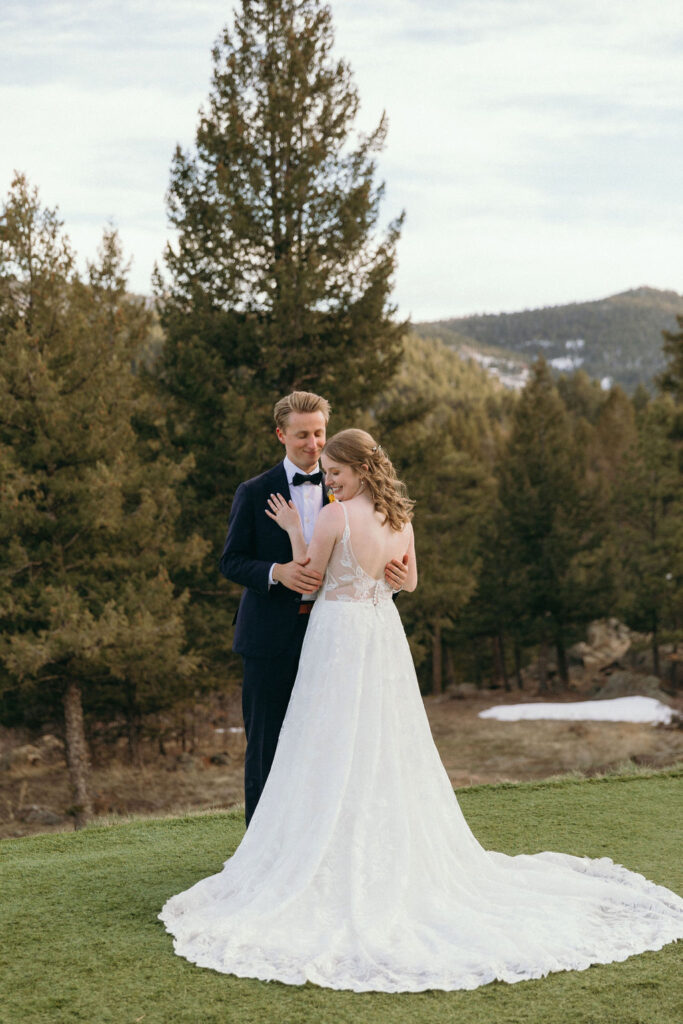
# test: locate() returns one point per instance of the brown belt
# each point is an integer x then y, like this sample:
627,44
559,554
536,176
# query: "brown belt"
305,607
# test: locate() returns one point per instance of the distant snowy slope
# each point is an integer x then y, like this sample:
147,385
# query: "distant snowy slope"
618,339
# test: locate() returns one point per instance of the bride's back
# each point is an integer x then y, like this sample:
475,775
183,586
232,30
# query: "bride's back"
373,541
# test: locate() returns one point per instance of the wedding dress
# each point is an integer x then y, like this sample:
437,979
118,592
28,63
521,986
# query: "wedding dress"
358,870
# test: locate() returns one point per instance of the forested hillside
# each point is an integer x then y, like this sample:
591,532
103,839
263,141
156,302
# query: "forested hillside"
618,338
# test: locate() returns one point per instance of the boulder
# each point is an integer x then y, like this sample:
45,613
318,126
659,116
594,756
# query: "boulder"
631,684
52,749
50,742
184,762
35,815
607,641
461,690
223,758
21,756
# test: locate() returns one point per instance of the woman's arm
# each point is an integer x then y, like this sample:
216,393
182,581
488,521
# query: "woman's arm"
287,517
328,528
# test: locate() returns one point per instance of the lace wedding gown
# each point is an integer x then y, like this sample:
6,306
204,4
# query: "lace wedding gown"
358,870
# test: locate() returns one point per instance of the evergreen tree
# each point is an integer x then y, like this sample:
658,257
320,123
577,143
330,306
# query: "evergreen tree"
88,512
280,276
670,381
551,526
278,279
649,499
582,396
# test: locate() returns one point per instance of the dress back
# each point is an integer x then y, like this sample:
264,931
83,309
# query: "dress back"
345,578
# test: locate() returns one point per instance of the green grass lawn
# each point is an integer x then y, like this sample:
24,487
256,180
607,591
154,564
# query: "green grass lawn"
80,940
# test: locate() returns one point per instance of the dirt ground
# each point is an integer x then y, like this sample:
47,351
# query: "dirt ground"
34,788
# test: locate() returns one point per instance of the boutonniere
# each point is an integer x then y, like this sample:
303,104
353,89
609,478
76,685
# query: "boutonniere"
330,496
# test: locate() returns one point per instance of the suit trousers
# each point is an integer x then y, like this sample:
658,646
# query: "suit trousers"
266,688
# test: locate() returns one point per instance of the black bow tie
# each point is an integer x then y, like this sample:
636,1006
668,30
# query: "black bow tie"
301,478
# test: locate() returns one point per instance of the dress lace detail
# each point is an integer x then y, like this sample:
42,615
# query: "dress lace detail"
346,580
358,870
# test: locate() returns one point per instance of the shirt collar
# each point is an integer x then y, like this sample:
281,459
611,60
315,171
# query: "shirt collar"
291,469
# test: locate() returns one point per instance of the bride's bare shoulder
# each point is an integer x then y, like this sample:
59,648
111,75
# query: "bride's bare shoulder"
331,515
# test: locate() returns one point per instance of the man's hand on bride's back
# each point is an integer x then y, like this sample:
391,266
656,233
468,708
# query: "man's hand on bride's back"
297,576
396,573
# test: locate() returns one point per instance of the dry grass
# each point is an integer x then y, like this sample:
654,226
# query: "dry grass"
481,750
474,751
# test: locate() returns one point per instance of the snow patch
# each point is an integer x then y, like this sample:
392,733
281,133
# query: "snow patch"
566,362
620,709
510,374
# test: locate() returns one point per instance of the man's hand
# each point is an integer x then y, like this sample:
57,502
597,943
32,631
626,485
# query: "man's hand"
396,573
295,576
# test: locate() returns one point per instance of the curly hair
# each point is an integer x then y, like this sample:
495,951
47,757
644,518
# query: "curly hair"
359,450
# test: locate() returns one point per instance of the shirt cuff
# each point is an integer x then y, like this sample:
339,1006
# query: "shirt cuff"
271,581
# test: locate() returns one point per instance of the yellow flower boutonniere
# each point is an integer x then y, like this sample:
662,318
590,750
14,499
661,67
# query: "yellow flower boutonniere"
330,496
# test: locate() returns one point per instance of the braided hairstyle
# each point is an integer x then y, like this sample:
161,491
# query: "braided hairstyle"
359,450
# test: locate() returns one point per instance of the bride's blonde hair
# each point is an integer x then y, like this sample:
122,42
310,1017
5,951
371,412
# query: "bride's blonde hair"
359,450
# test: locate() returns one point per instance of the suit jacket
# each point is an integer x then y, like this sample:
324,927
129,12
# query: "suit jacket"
266,617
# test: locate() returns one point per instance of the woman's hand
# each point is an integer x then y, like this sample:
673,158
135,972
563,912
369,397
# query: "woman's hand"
283,512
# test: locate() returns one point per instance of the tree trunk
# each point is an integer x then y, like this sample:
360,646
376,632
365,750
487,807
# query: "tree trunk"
562,667
437,660
655,647
77,755
476,664
160,736
499,661
133,733
518,664
450,668
543,666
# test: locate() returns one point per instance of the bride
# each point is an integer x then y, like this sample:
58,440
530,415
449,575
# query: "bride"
358,870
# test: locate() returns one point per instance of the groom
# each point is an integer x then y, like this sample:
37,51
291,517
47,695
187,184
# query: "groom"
273,613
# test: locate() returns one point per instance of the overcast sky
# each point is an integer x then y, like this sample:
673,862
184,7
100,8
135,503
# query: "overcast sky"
536,145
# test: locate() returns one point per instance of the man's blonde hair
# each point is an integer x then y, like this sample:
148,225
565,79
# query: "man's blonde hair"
299,401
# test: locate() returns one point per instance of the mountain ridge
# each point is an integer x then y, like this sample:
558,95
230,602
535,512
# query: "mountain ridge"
617,339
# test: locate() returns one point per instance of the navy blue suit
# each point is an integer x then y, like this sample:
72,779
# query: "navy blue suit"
269,631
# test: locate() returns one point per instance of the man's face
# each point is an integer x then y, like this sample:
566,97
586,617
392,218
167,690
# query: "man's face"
304,438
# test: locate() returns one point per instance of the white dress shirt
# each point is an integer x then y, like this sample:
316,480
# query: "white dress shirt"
308,500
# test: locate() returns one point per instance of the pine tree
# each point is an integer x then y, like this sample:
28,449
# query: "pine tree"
280,276
670,381
87,519
649,500
551,527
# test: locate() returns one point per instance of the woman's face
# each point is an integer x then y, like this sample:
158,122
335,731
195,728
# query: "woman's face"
342,480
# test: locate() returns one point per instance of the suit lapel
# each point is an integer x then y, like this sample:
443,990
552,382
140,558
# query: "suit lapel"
275,482
280,482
